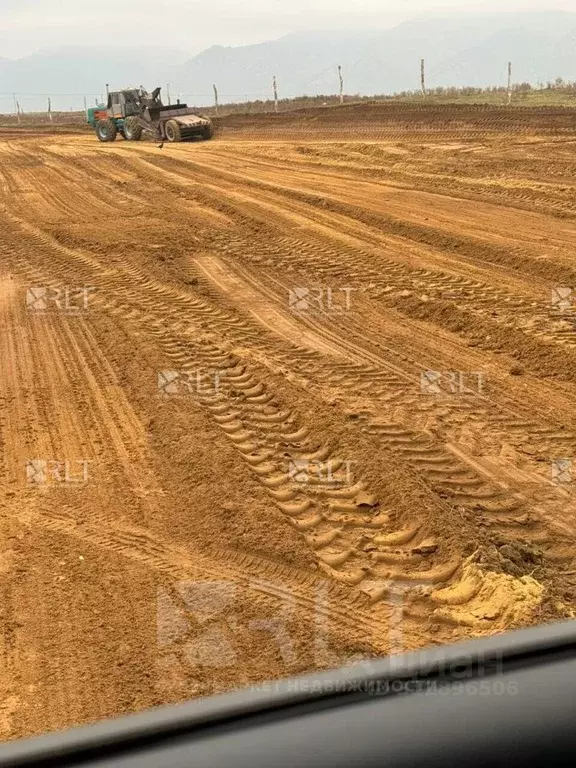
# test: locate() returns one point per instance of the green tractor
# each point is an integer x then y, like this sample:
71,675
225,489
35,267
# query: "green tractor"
135,112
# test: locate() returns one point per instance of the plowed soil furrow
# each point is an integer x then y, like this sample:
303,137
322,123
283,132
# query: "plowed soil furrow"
322,382
525,308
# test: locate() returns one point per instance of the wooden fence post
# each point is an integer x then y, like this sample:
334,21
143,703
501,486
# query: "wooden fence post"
275,86
423,77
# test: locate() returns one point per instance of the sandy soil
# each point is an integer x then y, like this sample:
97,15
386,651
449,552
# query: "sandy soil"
276,402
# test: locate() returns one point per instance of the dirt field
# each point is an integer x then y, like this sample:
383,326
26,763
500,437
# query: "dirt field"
279,401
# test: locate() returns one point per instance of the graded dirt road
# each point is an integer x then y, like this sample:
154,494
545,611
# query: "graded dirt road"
272,403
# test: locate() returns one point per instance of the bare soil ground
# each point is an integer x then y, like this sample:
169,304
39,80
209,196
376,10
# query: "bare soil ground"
298,395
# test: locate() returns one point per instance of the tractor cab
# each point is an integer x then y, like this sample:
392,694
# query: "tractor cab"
122,104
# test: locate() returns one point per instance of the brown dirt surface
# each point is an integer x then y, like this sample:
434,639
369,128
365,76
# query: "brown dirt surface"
296,396
389,119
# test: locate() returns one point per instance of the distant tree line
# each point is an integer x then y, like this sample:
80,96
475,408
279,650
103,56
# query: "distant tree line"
551,93
552,89
565,86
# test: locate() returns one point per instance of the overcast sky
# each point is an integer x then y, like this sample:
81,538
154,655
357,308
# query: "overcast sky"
189,25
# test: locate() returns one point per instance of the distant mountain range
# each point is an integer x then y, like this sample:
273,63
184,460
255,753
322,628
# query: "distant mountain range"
69,73
459,50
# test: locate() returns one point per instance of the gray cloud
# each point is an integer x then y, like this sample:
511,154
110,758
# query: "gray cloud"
29,25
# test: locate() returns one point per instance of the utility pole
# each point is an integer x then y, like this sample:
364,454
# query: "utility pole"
107,91
49,108
341,84
15,104
85,106
423,77
215,98
275,86
509,82
168,92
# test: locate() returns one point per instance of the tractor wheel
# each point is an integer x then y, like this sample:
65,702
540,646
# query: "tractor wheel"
208,133
173,131
132,129
106,130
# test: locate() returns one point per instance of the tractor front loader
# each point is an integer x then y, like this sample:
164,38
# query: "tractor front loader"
135,112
